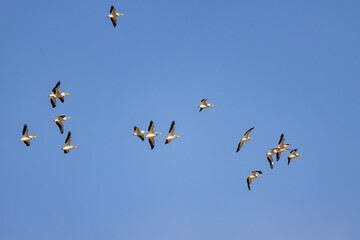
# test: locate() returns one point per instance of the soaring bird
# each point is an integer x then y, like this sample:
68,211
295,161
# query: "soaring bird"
113,15
203,104
26,138
56,94
253,176
68,147
139,133
171,135
282,147
269,156
151,135
293,154
59,123
244,139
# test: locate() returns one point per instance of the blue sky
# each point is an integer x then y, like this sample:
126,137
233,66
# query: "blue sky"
287,67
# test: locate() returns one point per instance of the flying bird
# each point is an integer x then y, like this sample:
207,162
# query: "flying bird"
253,176
171,135
203,104
282,147
151,135
56,94
293,154
113,15
269,156
59,119
26,138
68,147
139,133
244,139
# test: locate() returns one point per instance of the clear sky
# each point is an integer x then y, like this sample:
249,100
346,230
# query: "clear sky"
289,67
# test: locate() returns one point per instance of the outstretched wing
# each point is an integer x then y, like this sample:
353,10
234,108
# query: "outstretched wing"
112,10
152,142
68,139
151,127
172,129
203,101
61,127
293,151
27,143
271,161
25,131
239,145
56,88
248,131
114,21
282,139
249,183
278,155
53,102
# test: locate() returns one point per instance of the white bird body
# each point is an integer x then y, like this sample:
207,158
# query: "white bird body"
68,145
270,154
151,135
59,119
26,138
139,133
293,155
252,176
56,94
203,104
113,15
171,135
244,139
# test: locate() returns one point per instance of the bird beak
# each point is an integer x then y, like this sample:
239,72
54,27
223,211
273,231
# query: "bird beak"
53,120
34,136
75,146
121,14
301,155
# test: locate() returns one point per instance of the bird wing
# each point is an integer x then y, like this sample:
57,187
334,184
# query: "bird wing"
141,137
203,102
137,131
27,143
60,117
114,21
112,10
239,145
200,109
66,151
253,173
25,131
68,139
172,129
293,151
53,102
289,160
56,88
278,155
151,127
282,139
62,99
248,131
61,127
249,183
152,142
271,161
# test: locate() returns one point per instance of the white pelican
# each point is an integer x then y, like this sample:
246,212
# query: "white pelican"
113,15
171,135
244,139
56,94
26,138
269,156
139,133
59,123
203,104
293,154
253,176
68,147
152,134
282,147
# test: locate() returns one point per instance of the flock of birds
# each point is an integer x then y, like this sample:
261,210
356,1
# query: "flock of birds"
56,94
